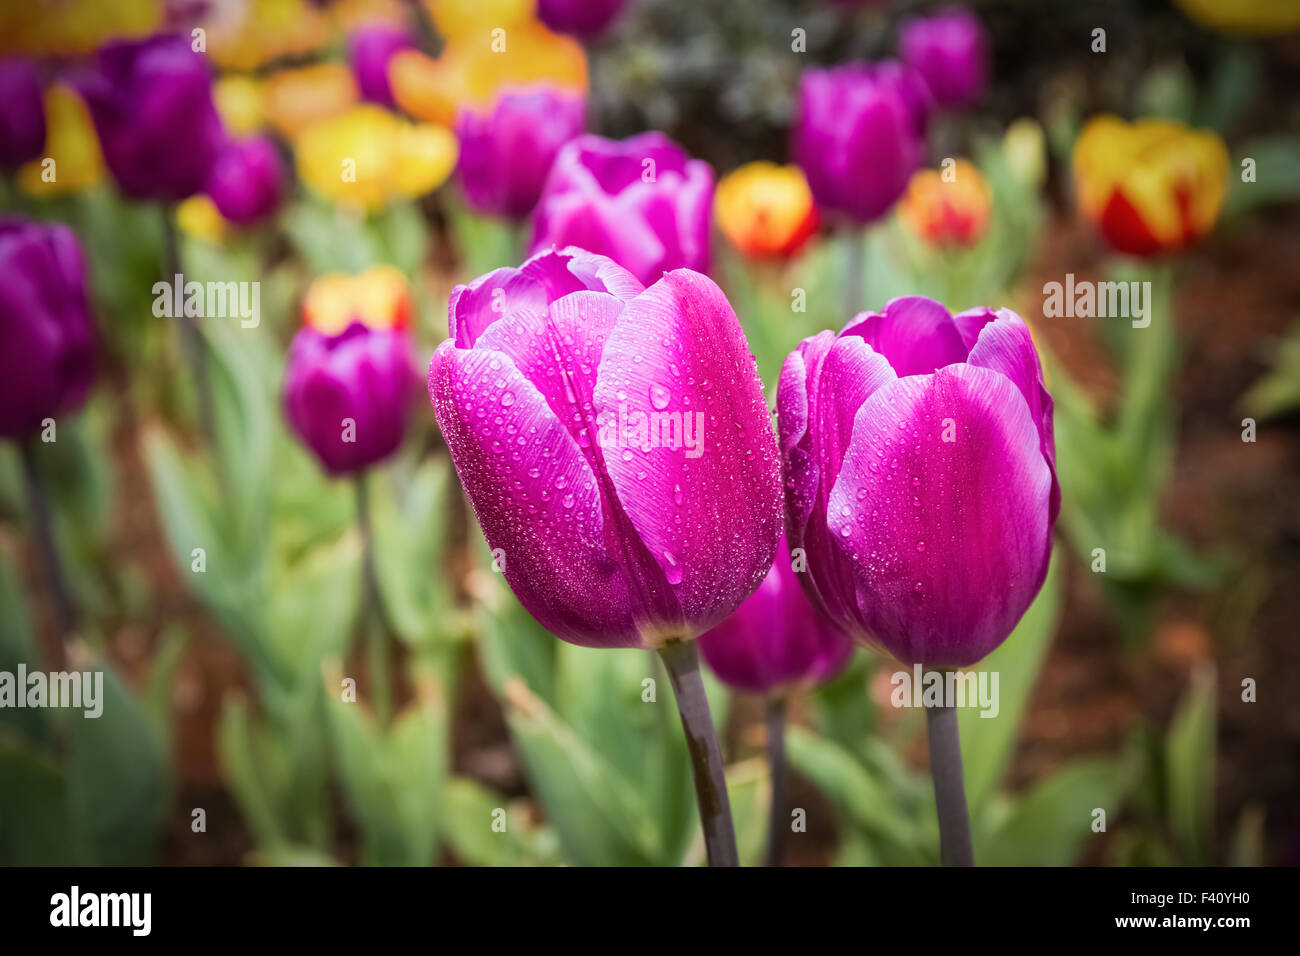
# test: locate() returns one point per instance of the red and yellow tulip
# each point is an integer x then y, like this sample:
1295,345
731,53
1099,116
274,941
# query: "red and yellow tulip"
379,298
947,212
765,210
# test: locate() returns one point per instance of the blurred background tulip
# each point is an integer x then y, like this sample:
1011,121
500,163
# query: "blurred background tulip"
79,27
295,99
507,150
151,102
22,113
860,135
950,51
246,182
370,49
1151,186
952,211
612,538
1245,17
348,392
584,18
641,201
921,480
47,339
72,145
765,210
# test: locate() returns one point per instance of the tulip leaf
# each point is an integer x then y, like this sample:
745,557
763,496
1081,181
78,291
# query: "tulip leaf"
987,743
468,825
35,829
1189,776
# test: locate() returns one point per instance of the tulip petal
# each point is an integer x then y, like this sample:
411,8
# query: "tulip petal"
916,335
949,539
474,307
677,370
542,510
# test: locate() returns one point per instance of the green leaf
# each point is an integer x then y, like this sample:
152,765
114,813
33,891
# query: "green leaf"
1190,758
35,826
468,825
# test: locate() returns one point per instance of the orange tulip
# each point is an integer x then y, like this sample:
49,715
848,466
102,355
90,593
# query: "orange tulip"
293,100
1151,186
765,210
947,212
379,298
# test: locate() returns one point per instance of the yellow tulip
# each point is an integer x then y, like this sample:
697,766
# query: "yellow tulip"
293,100
456,19
61,27
70,141
379,298
1256,17
238,98
368,157
244,36
198,217
765,210
1151,186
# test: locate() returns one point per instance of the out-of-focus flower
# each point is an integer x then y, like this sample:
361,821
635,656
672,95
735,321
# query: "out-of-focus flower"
765,210
22,114
348,390
370,49
614,443
293,100
379,297
247,180
47,338
952,212
641,201
245,36
950,52
920,470
75,26
457,19
239,103
1249,17
584,18
1025,150
861,135
198,217
470,74
367,157
1151,186
151,102
507,150
70,142
776,641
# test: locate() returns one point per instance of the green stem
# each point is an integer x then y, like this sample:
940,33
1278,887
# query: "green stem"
192,342
855,254
778,824
949,789
65,611
372,624
683,664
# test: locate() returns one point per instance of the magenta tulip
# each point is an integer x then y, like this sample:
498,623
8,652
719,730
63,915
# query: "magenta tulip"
860,135
950,52
22,113
584,18
369,49
247,180
507,150
614,443
776,641
642,202
921,477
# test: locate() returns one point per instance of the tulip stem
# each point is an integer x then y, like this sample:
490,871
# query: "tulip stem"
855,254
371,609
683,664
192,342
949,788
65,612
778,825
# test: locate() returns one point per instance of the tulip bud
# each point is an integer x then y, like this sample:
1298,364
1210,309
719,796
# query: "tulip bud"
641,201
860,136
246,180
370,48
1149,187
22,114
950,52
614,443
776,640
766,210
151,102
921,477
47,341
507,150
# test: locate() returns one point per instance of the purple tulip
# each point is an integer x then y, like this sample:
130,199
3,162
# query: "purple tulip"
22,114
151,102
506,152
776,640
247,180
614,443
584,18
642,201
47,340
861,135
370,48
348,396
921,477
950,52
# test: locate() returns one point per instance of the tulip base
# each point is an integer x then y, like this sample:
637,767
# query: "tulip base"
683,664
949,787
